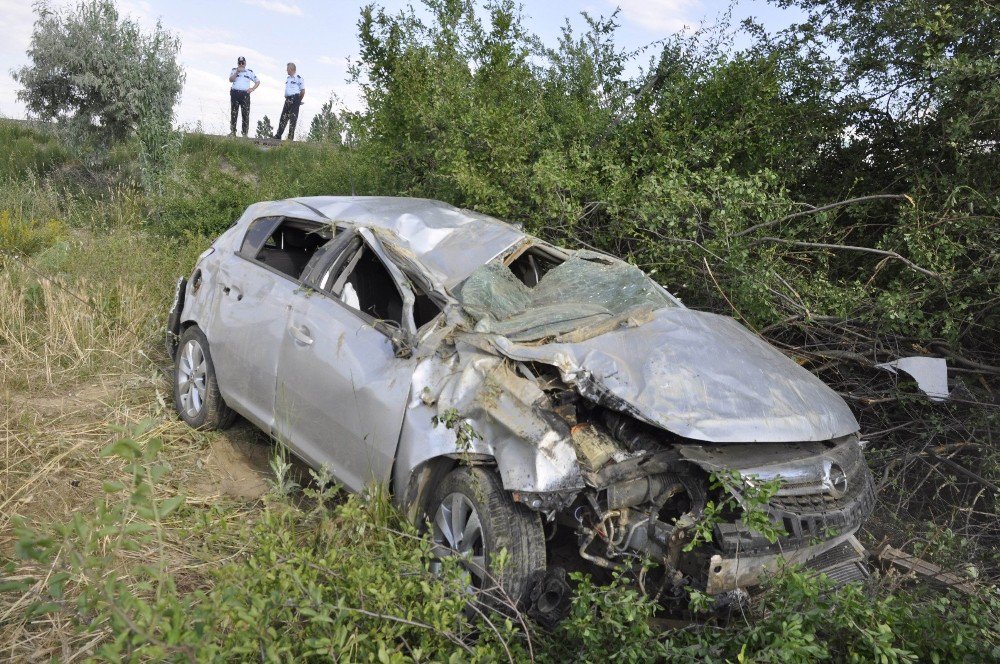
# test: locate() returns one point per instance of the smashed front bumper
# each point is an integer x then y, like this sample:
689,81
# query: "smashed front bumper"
840,558
651,506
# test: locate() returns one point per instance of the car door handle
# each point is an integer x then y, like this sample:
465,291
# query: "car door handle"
300,334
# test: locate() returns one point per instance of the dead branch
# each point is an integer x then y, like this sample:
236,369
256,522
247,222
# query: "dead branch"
943,348
850,247
963,471
861,199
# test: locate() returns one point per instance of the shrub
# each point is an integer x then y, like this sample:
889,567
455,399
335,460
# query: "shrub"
26,237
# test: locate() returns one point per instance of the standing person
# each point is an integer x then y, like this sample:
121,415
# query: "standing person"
244,82
295,92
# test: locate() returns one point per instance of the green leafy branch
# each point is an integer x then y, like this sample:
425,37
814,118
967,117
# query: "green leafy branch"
747,494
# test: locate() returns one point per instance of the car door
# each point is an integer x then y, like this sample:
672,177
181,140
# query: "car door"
246,333
341,389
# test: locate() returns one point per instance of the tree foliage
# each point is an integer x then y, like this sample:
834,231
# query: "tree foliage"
699,157
264,128
723,171
328,125
99,70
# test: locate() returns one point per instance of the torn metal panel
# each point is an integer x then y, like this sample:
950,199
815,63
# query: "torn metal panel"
901,560
741,571
701,376
533,450
931,374
449,242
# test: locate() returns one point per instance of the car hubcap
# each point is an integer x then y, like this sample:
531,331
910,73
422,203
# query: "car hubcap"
191,368
458,531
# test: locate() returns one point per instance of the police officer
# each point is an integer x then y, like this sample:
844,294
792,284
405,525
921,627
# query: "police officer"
295,92
244,82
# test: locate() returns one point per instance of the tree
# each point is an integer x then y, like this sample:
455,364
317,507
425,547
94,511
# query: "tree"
264,128
100,72
920,90
327,125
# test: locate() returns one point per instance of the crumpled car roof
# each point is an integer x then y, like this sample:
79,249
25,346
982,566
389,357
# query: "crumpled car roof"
448,241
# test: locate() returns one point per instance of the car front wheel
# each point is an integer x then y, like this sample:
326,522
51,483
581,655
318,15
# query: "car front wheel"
196,389
472,516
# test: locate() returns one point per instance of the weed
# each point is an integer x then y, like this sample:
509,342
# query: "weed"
22,238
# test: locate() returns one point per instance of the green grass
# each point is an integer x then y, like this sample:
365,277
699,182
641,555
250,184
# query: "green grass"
28,150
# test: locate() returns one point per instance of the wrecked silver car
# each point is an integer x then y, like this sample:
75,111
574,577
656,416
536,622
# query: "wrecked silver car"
513,394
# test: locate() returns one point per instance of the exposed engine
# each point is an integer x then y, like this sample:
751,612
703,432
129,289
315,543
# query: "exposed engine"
647,488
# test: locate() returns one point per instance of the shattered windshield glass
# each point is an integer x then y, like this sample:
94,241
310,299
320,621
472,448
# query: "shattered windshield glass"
580,294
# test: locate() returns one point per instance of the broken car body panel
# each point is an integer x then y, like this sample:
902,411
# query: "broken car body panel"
701,376
602,402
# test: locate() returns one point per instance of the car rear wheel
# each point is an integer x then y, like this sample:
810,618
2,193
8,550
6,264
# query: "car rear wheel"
196,389
472,516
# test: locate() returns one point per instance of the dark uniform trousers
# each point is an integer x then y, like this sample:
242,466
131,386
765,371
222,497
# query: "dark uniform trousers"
289,116
239,99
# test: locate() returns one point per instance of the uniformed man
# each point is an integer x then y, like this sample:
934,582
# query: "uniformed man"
295,92
244,82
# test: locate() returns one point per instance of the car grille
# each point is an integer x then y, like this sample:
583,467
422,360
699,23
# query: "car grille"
842,564
806,517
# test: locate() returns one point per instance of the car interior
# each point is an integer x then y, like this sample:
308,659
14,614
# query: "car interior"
424,308
367,286
290,246
362,281
531,265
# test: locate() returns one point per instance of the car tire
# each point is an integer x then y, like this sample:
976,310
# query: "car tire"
471,495
196,388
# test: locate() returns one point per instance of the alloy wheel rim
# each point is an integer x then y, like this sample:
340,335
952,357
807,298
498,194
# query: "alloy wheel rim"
458,530
191,373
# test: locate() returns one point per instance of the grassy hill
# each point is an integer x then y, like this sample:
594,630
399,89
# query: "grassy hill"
126,535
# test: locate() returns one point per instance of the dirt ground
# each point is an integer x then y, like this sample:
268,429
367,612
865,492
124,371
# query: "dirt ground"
51,440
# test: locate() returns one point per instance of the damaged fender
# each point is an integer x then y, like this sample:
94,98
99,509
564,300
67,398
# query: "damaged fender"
532,448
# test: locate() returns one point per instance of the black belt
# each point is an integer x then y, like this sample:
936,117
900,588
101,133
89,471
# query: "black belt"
292,96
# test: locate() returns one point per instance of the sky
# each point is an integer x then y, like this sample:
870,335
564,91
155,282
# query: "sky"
321,38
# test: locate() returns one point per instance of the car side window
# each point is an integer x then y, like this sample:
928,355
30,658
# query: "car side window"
259,232
284,245
360,281
424,308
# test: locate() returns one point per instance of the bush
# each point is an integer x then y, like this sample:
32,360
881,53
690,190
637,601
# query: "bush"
26,237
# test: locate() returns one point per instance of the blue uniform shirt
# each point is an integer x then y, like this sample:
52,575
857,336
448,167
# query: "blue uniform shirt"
245,80
294,85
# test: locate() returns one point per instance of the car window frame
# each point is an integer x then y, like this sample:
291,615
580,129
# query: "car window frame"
370,243
278,220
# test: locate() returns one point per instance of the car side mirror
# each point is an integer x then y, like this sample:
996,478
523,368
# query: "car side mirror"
402,345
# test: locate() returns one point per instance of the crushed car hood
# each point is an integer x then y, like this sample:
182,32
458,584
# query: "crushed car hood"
698,375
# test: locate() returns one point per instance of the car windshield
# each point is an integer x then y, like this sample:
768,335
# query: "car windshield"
579,293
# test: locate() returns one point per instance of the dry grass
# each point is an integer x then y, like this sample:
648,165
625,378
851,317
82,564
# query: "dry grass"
79,361
50,337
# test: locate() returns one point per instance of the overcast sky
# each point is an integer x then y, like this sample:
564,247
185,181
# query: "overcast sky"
321,36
